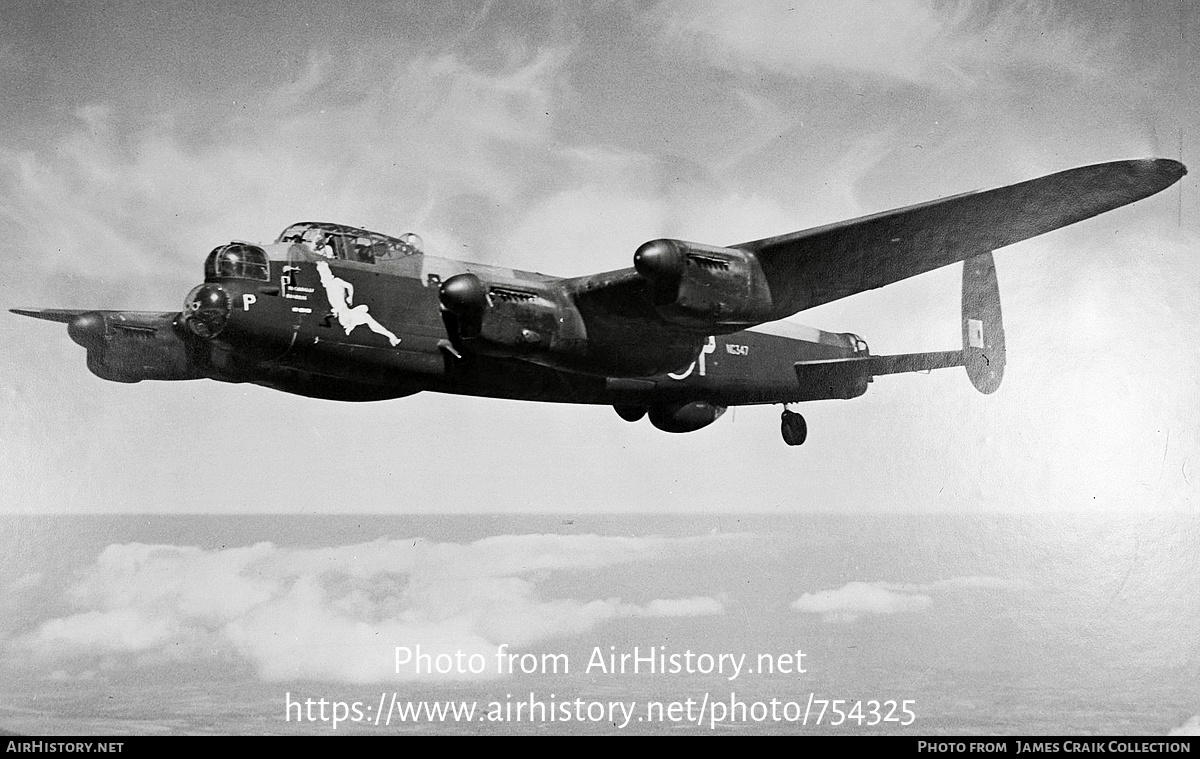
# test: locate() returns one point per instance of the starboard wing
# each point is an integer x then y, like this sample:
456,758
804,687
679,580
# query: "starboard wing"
823,264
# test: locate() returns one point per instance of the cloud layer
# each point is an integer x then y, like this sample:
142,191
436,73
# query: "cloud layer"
905,41
337,614
857,599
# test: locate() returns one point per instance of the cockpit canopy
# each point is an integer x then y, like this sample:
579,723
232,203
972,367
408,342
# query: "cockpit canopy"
350,243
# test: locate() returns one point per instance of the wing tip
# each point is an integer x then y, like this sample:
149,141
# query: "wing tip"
49,314
1159,171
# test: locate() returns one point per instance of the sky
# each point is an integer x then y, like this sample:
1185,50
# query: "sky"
559,137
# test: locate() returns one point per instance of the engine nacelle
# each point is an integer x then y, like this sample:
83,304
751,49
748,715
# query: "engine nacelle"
511,320
684,417
704,287
124,349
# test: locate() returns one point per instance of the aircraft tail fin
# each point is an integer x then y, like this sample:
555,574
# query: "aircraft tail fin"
982,353
982,324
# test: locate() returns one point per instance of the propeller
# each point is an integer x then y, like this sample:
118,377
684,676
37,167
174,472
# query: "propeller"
463,300
662,263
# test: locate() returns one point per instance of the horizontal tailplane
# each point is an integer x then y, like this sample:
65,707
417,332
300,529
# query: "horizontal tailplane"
848,377
982,353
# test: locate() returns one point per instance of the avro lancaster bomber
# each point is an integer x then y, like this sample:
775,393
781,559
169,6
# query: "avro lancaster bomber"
336,312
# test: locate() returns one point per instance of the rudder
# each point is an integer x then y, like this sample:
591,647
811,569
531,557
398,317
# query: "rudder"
982,324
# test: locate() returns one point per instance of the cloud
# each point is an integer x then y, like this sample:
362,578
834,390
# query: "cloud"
971,581
857,599
907,41
115,195
682,607
1191,727
337,614
125,205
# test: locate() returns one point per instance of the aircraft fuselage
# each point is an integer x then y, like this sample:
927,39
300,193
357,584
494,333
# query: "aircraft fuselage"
350,330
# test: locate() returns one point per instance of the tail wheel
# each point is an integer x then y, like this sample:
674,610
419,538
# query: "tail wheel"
793,428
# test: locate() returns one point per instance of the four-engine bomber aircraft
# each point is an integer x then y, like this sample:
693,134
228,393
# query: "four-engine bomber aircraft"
336,312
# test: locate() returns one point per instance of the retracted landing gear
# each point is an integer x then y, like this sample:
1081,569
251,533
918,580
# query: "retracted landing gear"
793,427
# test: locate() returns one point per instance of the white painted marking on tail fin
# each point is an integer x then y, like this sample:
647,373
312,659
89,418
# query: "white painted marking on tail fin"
975,333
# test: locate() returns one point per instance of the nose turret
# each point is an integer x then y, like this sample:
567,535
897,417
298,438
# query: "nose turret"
206,310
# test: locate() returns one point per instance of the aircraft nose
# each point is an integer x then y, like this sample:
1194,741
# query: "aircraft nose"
87,329
206,310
